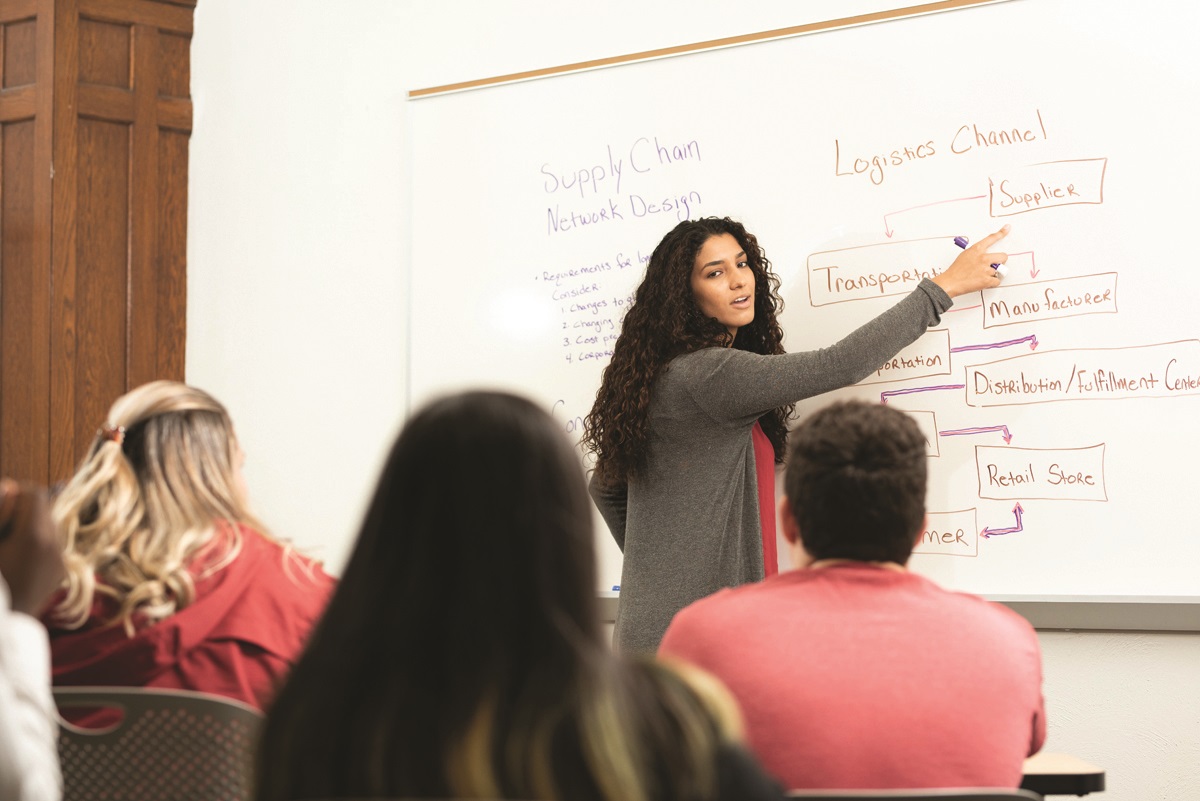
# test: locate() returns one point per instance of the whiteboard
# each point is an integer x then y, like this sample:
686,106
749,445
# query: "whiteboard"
1060,409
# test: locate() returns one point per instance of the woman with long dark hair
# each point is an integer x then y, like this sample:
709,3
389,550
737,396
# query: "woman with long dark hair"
692,412
462,655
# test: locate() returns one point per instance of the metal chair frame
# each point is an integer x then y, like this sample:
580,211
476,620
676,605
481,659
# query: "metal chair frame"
935,794
170,745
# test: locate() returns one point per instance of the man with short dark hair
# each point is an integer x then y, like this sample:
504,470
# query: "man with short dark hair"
853,672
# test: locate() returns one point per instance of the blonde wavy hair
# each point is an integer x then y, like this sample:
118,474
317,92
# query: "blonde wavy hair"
640,718
157,487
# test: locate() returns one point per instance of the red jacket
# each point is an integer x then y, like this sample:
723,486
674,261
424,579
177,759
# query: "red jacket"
239,637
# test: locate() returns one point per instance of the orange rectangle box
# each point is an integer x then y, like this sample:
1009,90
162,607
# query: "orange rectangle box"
1047,185
949,534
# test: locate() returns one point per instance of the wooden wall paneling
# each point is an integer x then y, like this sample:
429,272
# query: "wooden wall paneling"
105,53
171,258
143,285
3,178
18,50
43,253
161,15
105,237
173,125
11,10
19,439
18,104
65,70
24,243
175,71
174,128
102,298
20,43
95,115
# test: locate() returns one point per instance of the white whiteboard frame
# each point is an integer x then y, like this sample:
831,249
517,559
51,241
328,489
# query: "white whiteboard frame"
1075,612
1044,612
1106,612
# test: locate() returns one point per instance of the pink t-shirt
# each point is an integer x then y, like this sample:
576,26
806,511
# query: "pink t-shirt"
854,677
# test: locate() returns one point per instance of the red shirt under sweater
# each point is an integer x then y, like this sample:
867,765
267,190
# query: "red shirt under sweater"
764,468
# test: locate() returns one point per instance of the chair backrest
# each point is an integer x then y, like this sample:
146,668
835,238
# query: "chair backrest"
937,794
170,745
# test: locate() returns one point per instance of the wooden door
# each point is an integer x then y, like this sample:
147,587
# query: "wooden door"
95,112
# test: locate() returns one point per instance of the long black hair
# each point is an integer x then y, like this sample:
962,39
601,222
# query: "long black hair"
462,653
664,322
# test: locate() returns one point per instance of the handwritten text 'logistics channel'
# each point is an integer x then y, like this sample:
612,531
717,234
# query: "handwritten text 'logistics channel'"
967,138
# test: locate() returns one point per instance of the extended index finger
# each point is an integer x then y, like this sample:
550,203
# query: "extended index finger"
991,239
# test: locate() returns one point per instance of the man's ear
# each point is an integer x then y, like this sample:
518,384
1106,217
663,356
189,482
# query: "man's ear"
791,529
801,558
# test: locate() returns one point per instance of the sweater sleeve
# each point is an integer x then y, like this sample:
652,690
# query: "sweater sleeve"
28,722
735,385
611,501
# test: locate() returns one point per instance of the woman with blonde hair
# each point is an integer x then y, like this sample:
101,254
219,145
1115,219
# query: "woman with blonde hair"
463,656
171,581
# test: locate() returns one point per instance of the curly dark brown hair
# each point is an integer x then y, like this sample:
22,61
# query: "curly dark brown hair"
663,322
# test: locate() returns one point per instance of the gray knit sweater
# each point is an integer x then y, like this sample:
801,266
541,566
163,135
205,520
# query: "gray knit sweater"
689,524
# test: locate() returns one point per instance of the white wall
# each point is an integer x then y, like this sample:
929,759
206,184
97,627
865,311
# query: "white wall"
297,288
296,303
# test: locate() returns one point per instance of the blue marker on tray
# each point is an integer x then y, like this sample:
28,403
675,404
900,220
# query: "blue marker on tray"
961,241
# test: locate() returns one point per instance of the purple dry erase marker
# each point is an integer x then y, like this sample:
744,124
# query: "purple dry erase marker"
961,241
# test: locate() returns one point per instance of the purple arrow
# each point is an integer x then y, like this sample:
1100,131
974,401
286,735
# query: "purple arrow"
1031,339
962,432
883,396
988,533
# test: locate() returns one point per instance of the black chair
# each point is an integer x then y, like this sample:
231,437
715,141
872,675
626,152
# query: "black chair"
947,794
168,745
